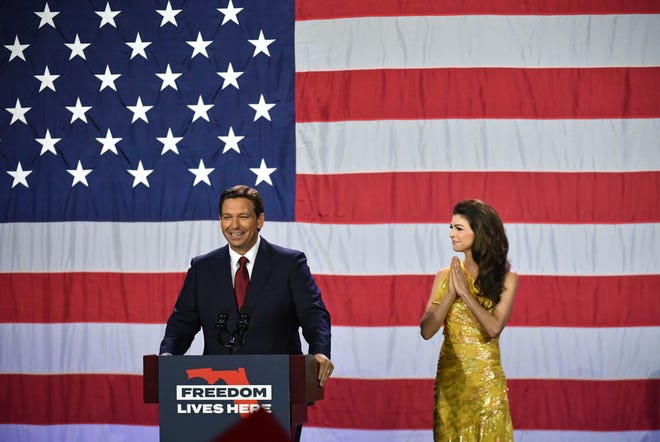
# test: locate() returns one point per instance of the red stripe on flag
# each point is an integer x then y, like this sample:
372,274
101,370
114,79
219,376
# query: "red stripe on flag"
570,405
603,301
623,405
478,93
332,9
89,297
149,297
75,399
520,197
594,301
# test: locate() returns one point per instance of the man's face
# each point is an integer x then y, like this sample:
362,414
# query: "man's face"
240,225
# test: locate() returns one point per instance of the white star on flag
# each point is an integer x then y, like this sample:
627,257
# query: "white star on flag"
107,16
261,44
230,77
230,13
107,79
199,46
168,78
17,49
263,173
46,16
231,141
115,120
138,47
139,111
19,175
79,174
47,143
262,108
200,109
47,80
169,142
169,15
77,48
140,175
78,111
201,173
109,143
18,112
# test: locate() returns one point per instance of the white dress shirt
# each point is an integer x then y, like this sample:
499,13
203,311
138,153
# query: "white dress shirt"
251,255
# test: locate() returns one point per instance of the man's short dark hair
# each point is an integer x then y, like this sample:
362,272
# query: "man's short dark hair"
243,191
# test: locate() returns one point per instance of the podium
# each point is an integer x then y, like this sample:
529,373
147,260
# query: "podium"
201,397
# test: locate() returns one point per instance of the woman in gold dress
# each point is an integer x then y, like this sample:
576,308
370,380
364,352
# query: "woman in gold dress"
473,299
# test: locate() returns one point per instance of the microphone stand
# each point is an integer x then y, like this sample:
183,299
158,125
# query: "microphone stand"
236,338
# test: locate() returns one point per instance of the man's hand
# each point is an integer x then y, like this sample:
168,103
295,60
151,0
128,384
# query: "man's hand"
325,367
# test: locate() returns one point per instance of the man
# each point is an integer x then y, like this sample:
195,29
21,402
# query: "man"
281,294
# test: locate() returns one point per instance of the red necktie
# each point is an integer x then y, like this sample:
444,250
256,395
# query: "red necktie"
241,281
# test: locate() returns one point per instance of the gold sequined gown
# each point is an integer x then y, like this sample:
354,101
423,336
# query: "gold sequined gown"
471,401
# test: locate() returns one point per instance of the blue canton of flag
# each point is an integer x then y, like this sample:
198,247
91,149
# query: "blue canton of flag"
144,110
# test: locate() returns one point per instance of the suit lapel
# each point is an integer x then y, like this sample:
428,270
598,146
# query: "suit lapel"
222,277
263,266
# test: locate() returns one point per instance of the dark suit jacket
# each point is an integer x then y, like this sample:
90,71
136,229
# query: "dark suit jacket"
282,296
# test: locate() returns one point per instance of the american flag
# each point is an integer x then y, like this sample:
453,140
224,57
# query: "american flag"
361,123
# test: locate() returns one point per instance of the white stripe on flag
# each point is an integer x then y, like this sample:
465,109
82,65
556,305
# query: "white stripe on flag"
536,249
314,434
118,348
78,432
478,40
138,433
616,145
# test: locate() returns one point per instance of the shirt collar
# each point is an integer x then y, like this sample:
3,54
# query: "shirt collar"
251,254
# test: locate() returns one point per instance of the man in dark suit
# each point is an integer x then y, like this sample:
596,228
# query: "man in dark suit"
281,294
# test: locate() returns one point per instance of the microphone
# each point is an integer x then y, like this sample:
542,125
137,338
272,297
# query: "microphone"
242,327
221,327
236,339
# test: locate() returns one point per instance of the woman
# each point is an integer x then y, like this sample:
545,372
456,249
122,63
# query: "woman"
473,299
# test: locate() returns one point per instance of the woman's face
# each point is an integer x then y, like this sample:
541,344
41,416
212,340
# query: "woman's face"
461,234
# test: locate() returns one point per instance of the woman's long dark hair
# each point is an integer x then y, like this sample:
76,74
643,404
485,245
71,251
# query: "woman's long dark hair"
490,247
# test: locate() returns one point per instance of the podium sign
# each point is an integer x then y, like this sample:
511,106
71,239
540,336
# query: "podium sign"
202,396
